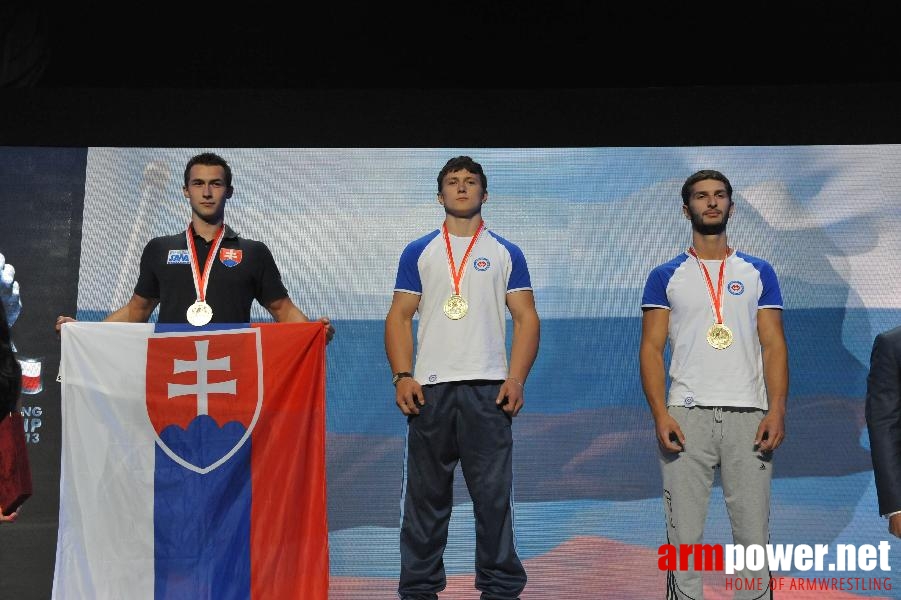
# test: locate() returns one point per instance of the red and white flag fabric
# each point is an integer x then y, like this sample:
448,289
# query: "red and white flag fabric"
193,462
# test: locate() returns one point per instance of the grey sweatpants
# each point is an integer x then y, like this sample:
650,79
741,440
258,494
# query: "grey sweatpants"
716,437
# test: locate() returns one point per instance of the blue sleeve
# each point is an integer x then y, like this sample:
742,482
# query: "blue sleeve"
408,278
519,272
655,290
771,296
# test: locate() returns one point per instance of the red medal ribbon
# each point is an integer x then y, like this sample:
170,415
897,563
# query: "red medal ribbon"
457,276
715,297
201,280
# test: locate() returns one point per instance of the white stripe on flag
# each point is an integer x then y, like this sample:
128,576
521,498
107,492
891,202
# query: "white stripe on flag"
105,540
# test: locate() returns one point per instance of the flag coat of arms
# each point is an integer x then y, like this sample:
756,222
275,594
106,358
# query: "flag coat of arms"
193,462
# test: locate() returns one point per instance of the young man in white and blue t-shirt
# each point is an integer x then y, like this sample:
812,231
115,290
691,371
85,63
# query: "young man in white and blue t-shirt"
721,312
462,393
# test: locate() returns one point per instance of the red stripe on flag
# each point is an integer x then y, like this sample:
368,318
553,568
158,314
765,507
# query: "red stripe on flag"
289,526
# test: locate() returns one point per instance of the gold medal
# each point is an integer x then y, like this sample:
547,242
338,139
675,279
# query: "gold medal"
719,336
455,307
199,314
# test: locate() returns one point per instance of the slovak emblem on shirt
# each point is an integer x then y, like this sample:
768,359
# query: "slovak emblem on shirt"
178,257
230,257
481,264
735,287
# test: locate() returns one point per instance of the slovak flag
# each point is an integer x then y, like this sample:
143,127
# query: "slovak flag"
193,462
230,257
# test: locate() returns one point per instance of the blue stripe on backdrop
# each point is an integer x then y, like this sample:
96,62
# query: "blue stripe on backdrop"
586,364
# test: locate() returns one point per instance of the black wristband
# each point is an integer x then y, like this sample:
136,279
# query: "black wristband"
398,376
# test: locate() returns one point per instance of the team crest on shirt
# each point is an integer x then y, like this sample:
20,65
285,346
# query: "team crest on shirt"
735,287
178,257
481,264
230,257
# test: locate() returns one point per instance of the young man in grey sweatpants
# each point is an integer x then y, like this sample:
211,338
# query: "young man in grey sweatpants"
721,311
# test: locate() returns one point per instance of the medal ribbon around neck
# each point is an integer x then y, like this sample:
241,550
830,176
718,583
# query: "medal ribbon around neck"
716,298
201,280
457,276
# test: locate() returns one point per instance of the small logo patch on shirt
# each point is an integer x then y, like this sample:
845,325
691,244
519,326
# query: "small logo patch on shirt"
178,257
433,378
735,287
481,264
230,257
689,400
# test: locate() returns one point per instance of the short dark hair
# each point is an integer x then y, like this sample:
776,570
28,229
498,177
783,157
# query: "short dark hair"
209,159
458,163
701,176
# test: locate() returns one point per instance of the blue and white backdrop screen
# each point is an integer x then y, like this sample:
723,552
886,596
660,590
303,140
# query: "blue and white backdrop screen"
592,222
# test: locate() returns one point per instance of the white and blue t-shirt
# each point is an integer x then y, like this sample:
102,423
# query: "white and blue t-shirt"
473,347
700,374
